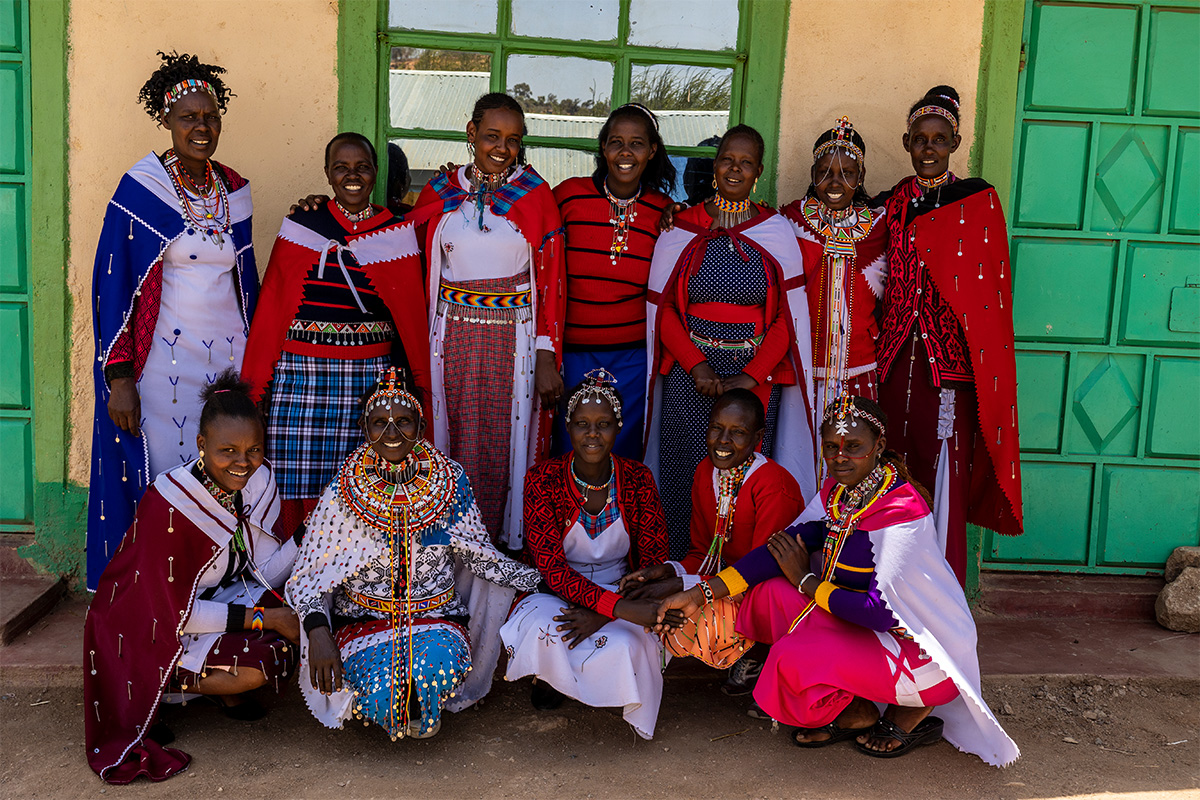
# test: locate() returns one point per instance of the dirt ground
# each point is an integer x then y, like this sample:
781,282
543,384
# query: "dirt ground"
1128,739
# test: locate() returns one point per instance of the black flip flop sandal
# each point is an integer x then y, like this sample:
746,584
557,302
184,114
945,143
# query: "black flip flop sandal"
836,735
927,731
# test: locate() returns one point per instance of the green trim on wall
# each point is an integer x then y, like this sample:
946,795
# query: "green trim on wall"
996,104
59,508
357,68
763,76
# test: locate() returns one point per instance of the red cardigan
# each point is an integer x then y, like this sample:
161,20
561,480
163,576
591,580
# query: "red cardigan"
552,504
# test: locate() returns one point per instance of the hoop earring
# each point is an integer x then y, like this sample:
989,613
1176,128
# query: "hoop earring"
714,182
754,188
471,150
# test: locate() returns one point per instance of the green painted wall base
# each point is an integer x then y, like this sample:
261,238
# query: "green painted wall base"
58,546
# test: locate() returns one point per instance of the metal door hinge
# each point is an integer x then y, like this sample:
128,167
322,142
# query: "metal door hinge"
1024,58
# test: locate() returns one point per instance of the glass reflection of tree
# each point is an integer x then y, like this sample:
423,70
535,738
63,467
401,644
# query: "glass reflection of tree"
681,89
419,58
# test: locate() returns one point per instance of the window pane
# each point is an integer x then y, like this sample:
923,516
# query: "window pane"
566,19
561,96
693,181
692,103
435,89
467,16
697,24
424,157
556,164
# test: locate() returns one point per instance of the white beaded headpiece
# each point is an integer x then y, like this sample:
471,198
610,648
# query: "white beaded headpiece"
390,391
845,415
598,384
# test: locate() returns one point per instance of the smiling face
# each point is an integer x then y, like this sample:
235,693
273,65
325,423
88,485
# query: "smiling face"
627,150
351,174
851,457
732,437
736,168
593,431
497,139
929,143
835,177
195,125
393,432
233,450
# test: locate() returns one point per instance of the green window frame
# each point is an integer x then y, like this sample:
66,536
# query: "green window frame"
756,62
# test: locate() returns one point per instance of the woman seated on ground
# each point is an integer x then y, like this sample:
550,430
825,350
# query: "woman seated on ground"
739,498
189,607
385,618
879,616
591,517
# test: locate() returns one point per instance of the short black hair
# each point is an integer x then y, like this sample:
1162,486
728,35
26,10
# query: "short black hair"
175,69
745,400
352,136
942,96
659,175
499,100
227,396
751,134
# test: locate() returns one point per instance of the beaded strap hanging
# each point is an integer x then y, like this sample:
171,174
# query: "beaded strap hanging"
622,214
729,483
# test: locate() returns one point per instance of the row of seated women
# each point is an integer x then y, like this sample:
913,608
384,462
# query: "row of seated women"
490,296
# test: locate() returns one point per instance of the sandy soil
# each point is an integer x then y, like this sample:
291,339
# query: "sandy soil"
1132,739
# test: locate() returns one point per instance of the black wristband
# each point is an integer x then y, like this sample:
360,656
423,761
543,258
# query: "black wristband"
119,369
298,536
315,620
237,618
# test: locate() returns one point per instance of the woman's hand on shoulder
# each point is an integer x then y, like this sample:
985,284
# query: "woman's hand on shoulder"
125,406
791,555
667,221
310,203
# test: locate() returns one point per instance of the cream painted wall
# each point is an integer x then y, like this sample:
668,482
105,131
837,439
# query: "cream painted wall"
281,57
871,60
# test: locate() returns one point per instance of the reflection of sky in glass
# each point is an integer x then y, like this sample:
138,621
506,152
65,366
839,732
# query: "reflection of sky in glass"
439,97
692,103
566,96
695,24
466,16
574,19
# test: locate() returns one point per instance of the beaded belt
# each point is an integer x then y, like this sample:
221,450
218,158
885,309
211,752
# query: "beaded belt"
727,344
384,605
463,297
341,333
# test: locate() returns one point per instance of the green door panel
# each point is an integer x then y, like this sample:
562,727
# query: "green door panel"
1083,58
16,453
1052,183
12,120
1130,178
1148,512
12,237
1105,404
1062,289
1172,75
1152,271
10,26
14,367
1185,207
1040,395
1173,430
1058,498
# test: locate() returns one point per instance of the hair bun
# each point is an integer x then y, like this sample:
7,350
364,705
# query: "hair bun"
945,92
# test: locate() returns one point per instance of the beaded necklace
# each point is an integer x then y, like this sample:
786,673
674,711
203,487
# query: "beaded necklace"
206,207
621,216
584,486
729,483
355,217
484,184
731,213
422,486
933,183
229,502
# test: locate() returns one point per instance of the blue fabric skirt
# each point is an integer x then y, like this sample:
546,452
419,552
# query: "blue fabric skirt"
629,367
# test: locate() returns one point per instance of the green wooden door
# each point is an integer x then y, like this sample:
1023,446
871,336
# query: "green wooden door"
1104,219
16,419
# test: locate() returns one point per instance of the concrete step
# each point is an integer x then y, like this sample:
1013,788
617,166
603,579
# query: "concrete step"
1041,595
24,601
11,562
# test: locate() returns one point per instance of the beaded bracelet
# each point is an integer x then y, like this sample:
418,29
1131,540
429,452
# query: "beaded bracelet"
800,585
708,592
257,620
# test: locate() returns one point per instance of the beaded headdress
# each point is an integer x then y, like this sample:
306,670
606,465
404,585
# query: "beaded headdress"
843,138
937,110
598,384
390,391
845,415
176,92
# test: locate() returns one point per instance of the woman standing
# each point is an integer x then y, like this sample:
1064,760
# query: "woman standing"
591,517
843,242
333,316
188,605
727,309
946,360
173,289
493,249
611,224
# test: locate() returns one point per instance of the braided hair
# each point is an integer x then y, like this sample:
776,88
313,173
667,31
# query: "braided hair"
860,194
176,68
659,175
227,396
887,456
943,97
499,100
357,138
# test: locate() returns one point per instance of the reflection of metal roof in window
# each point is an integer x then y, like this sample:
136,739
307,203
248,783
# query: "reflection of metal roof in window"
442,100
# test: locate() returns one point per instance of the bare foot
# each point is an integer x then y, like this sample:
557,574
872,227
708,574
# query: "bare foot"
859,714
906,718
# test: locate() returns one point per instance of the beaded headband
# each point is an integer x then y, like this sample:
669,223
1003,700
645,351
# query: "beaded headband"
644,110
843,139
845,415
390,391
938,110
598,384
176,92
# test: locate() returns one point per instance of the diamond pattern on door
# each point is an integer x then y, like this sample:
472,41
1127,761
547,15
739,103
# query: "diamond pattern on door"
1128,177
1104,403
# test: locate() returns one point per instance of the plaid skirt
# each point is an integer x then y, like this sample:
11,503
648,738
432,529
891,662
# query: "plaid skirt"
312,418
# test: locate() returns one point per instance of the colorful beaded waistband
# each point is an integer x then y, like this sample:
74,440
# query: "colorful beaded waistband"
383,605
341,333
463,297
727,344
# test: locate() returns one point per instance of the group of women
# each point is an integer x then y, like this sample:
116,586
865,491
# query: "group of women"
584,426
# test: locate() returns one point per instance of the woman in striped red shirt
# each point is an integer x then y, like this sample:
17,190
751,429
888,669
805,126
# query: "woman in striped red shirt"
611,222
